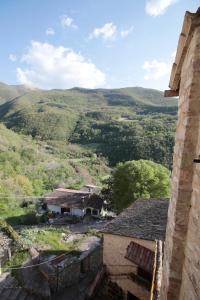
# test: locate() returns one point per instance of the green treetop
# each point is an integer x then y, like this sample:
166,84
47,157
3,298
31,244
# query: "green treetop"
137,179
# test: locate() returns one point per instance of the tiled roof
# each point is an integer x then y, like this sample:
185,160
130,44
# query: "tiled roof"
144,219
73,198
61,190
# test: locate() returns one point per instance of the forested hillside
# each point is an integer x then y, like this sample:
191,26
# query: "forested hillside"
74,137
118,124
29,167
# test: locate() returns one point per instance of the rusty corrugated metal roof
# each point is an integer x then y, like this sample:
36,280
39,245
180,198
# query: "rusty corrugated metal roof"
141,256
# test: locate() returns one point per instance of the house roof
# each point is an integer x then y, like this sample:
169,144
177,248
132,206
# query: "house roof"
73,198
61,190
144,219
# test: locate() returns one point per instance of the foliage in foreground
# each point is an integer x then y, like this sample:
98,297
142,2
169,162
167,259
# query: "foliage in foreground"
137,179
18,259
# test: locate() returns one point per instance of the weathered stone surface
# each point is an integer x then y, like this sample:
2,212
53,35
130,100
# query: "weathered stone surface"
181,267
5,248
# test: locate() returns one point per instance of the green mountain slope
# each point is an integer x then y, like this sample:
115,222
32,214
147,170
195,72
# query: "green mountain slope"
54,114
119,124
9,92
148,96
65,137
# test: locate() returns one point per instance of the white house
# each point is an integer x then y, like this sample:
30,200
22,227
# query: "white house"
73,202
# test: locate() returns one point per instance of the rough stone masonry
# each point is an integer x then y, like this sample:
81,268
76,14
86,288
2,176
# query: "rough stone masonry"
181,268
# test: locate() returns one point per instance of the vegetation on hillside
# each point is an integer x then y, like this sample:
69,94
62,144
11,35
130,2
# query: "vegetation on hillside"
9,92
65,137
136,123
32,168
131,137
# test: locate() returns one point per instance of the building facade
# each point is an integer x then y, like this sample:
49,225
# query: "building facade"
181,268
73,202
129,244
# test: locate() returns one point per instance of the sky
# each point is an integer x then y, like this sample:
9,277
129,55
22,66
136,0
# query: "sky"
90,43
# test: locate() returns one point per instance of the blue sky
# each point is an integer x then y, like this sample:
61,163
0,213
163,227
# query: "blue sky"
90,43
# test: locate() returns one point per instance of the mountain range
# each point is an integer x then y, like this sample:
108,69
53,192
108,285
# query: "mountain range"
53,114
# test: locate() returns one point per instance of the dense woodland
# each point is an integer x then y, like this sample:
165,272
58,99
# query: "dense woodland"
73,137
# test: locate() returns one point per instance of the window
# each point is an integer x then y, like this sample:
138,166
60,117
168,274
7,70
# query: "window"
144,274
131,297
88,211
65,210
95,212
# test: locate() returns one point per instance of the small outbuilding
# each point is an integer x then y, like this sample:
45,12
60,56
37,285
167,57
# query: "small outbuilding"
74,202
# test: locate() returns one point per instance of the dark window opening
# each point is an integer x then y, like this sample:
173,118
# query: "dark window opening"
95,212
131,297
44,206
88,211
65,210
144,274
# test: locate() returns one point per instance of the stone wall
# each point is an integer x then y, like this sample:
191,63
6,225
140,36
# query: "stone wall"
190,287
181,269
5,248
69,274
71,270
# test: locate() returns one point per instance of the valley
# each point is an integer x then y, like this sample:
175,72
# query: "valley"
75,137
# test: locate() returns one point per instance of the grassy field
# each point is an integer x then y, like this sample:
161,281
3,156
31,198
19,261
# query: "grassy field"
48,240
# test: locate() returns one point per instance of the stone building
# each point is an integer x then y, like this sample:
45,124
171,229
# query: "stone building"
181,267
129,244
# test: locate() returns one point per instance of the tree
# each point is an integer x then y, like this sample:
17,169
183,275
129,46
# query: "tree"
25,184
137,179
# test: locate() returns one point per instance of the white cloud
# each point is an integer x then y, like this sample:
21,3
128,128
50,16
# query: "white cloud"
126,32
156,69
158,7
12,57
58,67
50,31
106,32
67,22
